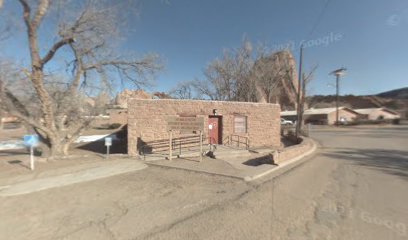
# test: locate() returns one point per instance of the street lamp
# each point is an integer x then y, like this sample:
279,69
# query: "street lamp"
338,73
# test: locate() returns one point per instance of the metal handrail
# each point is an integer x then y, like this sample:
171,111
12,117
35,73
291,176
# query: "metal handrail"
230,140
164,145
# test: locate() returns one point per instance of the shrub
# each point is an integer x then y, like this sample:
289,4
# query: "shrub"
115,125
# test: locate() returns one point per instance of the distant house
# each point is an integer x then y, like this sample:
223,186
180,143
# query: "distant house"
378,113
323,115
7,118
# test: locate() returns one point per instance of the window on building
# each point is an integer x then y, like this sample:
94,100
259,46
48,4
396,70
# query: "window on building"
240,124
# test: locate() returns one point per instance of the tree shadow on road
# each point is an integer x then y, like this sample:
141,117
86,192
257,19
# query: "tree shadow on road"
393,162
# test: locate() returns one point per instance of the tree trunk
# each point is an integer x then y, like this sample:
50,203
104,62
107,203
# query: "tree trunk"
52,146
54,150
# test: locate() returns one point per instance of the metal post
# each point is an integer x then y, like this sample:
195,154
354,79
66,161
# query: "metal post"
338,73
107,151
171,145
337,99
32,158
201,146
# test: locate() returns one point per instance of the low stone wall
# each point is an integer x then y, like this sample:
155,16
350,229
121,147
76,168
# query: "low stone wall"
288,153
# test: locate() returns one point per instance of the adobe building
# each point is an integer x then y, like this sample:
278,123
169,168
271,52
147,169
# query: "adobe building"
257,123
378,113
323,115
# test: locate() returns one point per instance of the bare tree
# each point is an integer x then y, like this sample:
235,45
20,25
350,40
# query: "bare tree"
306,79
183,90
227,78
244,75
86,34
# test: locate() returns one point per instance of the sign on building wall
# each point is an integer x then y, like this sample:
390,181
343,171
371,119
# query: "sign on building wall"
185,124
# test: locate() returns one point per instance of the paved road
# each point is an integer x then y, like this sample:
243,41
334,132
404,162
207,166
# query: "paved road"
355,187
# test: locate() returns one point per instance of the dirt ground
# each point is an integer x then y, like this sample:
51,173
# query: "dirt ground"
132,205
14,166
354,187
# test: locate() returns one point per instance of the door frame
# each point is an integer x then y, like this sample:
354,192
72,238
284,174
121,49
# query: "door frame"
220,126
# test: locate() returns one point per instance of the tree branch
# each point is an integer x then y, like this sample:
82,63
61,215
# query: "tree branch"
27,13
79,68
17,109
55,48
40,13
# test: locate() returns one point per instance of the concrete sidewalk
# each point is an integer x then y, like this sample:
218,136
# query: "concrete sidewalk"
233,168
85,174
212,166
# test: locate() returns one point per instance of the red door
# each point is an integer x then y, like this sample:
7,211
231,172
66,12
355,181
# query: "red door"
214,127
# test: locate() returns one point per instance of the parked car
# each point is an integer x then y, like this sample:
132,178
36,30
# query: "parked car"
286,122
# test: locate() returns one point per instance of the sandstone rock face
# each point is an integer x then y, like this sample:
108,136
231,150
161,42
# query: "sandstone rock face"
281,67
122,98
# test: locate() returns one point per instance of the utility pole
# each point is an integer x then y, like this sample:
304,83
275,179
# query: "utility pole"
337,99
338,73
299,91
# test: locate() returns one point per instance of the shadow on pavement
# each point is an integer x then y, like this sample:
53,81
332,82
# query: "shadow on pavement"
99,147
393,162
118,146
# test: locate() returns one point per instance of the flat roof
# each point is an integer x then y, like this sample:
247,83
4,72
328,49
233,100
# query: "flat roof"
317,111
202,100
370,110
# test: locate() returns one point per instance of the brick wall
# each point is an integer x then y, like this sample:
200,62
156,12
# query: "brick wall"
147,120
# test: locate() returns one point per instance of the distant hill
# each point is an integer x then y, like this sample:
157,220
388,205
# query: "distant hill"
395,99
401,93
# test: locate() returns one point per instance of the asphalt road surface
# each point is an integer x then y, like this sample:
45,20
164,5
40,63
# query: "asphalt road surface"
354,187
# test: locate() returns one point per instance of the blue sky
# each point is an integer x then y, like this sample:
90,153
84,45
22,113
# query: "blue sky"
371,43
368,37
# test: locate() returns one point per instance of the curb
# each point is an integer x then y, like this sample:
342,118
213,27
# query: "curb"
294,161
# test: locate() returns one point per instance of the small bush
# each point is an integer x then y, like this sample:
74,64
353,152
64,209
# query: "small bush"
115,125
110,126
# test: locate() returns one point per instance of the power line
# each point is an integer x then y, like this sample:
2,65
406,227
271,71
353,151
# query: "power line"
319,19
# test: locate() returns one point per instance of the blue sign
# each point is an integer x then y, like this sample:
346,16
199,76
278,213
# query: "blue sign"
31,140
